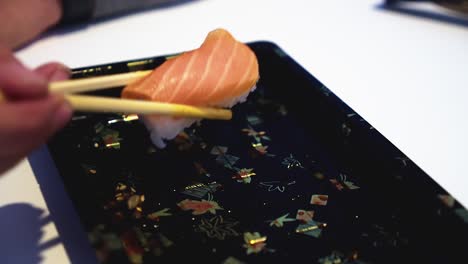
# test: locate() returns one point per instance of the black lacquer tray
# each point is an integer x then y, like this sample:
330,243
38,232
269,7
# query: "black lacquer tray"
295,176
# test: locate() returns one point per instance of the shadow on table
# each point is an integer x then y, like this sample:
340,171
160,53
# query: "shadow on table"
62,213
21,232
426,14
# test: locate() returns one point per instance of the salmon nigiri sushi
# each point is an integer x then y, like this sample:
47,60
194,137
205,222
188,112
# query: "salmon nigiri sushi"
220,73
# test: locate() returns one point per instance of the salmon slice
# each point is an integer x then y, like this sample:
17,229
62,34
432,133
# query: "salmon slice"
220,70
220,73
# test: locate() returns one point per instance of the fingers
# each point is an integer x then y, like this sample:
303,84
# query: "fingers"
30,115
26,125
53,71
18,82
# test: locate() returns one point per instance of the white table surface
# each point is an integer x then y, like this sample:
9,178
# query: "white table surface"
406,75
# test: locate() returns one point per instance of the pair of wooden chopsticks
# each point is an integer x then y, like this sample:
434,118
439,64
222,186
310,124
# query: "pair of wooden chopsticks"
128,106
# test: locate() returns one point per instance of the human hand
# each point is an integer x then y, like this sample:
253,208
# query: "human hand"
30,115
24,20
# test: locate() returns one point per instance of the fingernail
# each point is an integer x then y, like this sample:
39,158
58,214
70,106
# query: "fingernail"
61,73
